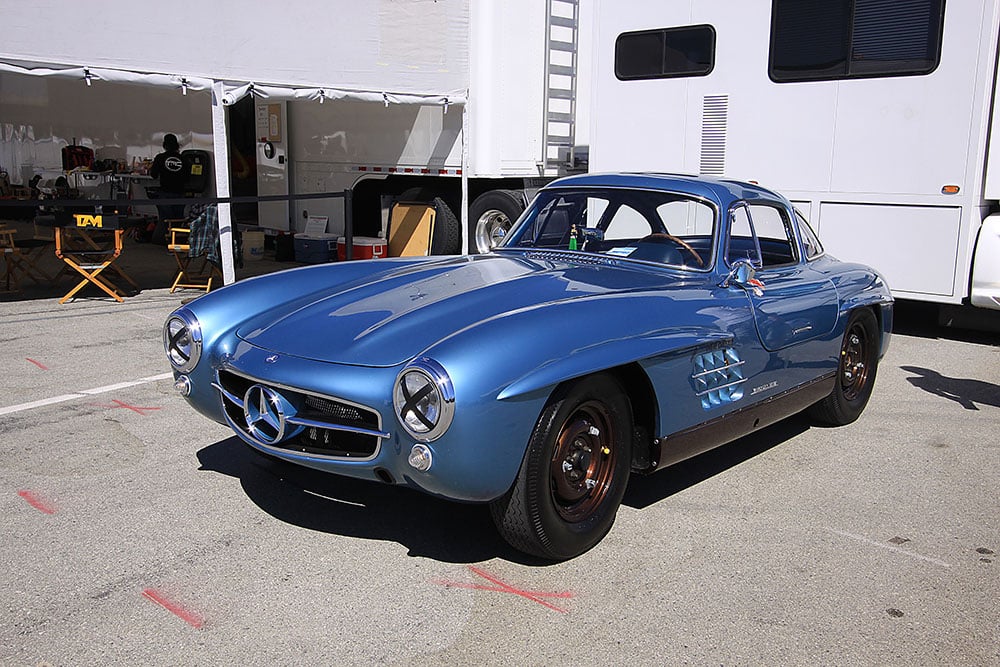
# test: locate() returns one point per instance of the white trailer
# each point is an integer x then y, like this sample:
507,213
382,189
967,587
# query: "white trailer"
873,116
471,104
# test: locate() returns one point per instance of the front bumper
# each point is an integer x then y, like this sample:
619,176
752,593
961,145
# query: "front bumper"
340,419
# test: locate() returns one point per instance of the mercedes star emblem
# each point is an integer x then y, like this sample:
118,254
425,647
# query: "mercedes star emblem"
264,416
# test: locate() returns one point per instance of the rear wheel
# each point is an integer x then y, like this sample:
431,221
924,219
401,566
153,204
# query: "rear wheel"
855,372
574,472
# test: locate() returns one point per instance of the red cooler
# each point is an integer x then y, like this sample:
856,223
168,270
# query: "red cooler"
365,247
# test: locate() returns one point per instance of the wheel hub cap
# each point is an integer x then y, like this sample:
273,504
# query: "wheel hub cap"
583,462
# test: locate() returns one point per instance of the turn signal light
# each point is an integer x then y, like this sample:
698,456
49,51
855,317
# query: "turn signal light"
950,190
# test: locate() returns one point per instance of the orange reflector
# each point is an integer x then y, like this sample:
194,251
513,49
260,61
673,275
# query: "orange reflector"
950,190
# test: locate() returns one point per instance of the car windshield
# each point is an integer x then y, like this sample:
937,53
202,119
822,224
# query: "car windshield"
661,227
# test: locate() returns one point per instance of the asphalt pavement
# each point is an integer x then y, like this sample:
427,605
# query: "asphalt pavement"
136,532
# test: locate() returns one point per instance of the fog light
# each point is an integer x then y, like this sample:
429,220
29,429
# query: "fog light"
420,458
183,385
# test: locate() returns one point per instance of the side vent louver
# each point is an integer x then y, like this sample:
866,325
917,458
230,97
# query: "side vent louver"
714,121
718,377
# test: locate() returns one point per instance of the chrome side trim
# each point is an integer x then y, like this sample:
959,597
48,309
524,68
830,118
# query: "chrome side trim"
716,370
721,386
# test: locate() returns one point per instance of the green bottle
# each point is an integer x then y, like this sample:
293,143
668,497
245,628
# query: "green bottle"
572,238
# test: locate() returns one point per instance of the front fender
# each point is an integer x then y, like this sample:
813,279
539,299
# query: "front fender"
610,354
576,338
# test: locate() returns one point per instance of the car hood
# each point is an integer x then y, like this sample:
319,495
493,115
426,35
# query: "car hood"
393,316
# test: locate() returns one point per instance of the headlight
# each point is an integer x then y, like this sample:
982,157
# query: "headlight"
424,399
182,341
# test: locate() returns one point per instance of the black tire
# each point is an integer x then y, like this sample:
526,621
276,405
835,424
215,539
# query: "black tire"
446,238
855,372
447,235
491,216
574,473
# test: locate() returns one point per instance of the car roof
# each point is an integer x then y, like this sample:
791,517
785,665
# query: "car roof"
721,191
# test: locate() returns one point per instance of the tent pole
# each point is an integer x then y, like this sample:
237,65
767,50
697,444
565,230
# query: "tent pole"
220,138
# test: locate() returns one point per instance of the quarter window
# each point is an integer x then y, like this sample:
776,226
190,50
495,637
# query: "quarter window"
843,39
810,242
665,52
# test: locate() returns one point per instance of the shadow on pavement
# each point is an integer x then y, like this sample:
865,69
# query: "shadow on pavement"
431,527
933,321
647,490
963,391
427,526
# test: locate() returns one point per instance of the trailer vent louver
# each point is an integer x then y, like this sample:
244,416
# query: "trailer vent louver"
714,119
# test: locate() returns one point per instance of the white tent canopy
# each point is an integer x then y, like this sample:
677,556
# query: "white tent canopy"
398,47
232,91
389,51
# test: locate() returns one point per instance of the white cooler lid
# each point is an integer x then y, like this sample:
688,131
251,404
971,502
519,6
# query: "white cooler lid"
316,237
363,240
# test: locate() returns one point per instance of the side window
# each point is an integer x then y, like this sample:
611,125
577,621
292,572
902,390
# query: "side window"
846,39
627,223
763,234
810,241
665,52
774,234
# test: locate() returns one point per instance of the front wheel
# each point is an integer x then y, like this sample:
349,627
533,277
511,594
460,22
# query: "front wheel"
855,372
574,473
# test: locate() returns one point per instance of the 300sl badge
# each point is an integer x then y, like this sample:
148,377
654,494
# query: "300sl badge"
764,387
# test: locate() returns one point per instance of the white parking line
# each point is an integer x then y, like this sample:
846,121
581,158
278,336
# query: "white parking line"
876,543
83,394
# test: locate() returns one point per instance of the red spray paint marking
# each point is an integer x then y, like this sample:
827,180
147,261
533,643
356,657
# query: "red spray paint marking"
37,363
122,404
186,615
37,502
502,587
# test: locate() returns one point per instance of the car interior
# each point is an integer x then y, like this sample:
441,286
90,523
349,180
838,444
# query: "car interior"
656,227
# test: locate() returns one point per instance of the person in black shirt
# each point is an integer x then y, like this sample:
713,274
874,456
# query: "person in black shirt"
172,169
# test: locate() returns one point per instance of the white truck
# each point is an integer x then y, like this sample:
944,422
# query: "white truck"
467,103
875,117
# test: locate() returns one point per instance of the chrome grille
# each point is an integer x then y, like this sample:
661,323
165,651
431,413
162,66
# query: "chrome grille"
318,425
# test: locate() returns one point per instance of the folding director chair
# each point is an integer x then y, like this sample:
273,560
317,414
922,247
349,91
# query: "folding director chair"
90,248
191,241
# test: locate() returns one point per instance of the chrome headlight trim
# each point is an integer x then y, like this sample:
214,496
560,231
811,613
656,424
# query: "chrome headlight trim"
423,399
182,341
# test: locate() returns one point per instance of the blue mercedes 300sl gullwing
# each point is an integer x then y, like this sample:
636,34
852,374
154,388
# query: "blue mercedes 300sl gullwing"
625,323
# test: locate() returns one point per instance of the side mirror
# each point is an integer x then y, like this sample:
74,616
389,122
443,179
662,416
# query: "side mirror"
741,273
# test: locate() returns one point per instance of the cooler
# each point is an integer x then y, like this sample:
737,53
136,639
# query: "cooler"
315,248
365,247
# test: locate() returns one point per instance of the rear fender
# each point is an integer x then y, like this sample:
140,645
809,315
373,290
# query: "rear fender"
868,289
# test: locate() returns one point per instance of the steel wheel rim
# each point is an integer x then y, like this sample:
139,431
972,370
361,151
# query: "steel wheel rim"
854,362
491,229
583,462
